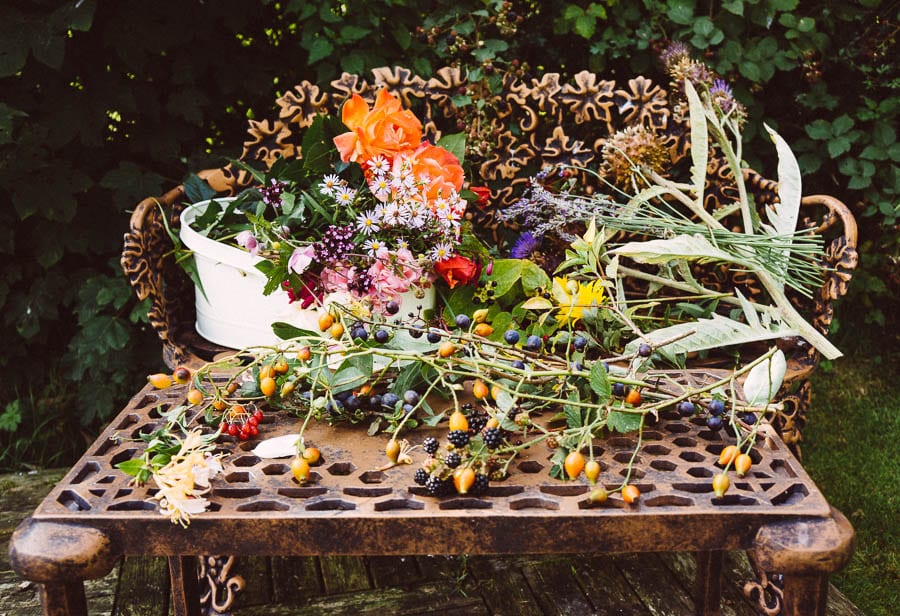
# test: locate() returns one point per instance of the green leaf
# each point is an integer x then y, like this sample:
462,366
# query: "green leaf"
195,190
351,34
286,331
842,124
689,247
819,130
131,467
7,114
455,144
319,50
11,416
599,382
704,26
681,11
783,5
699,138
585,26
838,146
623,422
735,7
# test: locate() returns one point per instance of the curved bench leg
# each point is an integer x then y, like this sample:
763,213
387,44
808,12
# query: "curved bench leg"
806,552
708,583
63,599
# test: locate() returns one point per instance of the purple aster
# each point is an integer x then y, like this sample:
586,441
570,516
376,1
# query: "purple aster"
525,246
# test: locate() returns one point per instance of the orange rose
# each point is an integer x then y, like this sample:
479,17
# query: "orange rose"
440,166
458,270
385,129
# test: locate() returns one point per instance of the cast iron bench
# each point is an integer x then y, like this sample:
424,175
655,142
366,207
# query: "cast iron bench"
94,516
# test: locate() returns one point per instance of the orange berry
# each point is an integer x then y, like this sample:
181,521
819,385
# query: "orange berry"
280,366
287,389
458,421
574,464
238,409
311,455
495,391
721,483
592,471
300,469
219,404
268,386
742,464
325,321
194,396
337,330
392,450
480,390
265,372
728,455
633,397
598,495
630,494
480,315
463,479
160,380
493,422
483,329
304,354
232,387
181,375
446,349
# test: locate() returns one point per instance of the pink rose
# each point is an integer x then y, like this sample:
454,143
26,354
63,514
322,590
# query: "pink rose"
392,274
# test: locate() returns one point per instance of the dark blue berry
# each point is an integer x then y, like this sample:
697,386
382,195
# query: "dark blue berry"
382,336
390,400
433,337
334,406
352,403
579,343
686,408
411,396
407,408
618,389
644,350
714,423
415,330
463,321
375,403
430,445
577,366
715,407
392,307
533,343
511,336
359,332
748,418
518,364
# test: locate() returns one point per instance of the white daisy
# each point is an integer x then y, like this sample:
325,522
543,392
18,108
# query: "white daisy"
367,223
441,251
372,246
329,184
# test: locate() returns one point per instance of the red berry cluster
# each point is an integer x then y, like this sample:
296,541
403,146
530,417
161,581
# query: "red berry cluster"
240,422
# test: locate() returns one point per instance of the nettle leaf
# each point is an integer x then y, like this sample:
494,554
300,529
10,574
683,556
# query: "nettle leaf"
623,422
599,382
689,247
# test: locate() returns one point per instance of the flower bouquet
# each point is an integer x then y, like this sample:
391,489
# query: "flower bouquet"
370,217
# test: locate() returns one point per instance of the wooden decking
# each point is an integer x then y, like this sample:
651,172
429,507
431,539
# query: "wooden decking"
657,584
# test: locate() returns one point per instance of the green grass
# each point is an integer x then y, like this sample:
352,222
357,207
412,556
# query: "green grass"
851,450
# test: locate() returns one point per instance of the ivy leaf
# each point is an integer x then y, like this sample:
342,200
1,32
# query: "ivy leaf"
196,189
11,416
319,50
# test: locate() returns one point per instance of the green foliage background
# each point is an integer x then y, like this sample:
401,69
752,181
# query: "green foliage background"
104,103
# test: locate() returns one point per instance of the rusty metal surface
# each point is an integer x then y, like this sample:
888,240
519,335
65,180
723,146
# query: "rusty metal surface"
349,508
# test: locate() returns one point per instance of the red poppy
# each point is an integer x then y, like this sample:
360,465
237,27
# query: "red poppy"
458,270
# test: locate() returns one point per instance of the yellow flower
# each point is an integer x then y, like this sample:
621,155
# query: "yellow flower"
574,296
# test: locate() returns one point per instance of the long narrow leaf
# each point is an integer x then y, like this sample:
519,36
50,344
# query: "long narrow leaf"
699,141
783,215
688,247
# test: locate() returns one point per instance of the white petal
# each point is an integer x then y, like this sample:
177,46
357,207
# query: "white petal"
277,447
765,379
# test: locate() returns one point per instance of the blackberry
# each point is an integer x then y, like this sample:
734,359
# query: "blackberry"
390,400
421,477
477,422
493,438
430,445
452,459
618,389
482,482
749,418
518,364
458,438
434,485
644,350
534,343
463,321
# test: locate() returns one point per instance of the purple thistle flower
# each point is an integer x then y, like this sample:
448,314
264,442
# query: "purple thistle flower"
722,95
525,246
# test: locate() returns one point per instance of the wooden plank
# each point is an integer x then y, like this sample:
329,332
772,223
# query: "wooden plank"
394,571
503,586
257,581
344,574
439,567
653,583
606,587
429,598
295,579
683,567
143,588
554,586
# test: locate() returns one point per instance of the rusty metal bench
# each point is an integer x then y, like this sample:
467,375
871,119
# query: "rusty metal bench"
94,516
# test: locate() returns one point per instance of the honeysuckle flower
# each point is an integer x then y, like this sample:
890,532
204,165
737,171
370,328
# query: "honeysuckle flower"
301,259
574,297
247,240
185,479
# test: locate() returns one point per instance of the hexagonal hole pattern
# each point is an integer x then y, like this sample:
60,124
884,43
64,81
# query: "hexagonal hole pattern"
656,450
692,456
700,472
276,469
246,461
530,466
341,468
371,477
663,465
237,477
